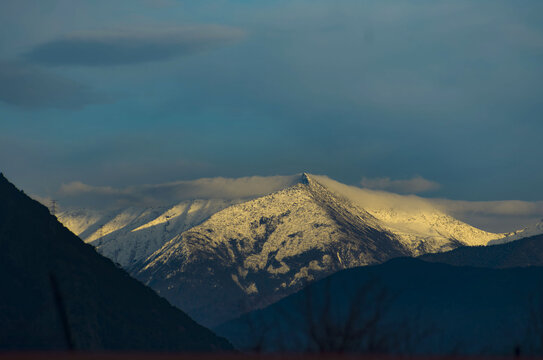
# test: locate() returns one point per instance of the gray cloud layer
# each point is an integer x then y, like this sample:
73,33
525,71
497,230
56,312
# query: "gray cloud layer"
31,87
130,47
78,194
415,185
496,216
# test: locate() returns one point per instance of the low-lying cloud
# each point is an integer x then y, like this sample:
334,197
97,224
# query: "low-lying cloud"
501,208
415,185
78,194
29,86
497,216
494,216
131,46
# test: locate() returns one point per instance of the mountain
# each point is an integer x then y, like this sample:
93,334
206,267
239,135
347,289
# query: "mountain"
251,254
404,306
58,293
128,235
523,252
535,229
127,225
418,223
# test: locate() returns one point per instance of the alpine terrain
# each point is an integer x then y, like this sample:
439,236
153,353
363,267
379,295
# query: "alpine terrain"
128,235
253,253
533,230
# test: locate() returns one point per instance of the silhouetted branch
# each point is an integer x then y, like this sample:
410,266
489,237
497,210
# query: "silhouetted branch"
359,329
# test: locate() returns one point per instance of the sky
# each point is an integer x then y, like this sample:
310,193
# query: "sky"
439,98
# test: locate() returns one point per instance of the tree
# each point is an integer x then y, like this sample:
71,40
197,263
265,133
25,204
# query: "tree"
356,325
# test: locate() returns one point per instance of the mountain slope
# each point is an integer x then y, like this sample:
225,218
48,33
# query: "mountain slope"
235,255
423,308
523,252
104,308
252,254
129,224
417,222
533,230
131,234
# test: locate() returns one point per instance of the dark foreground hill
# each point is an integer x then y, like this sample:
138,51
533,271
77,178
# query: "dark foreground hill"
57,292
523,252
404,306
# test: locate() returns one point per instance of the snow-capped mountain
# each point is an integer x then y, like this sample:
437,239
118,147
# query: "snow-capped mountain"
418,223
132,234
128,235
251,254
533,230
157,213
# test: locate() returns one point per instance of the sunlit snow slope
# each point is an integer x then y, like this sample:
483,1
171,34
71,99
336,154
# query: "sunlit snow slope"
416,222
128,235
536,229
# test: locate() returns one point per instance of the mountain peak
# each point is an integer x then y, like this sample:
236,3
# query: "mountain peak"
305,178
4,182
264,249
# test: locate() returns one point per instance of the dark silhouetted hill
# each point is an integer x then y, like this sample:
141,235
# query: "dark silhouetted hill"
56,290
405,306
523,252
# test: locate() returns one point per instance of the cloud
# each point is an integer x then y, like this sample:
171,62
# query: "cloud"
497,216
501,208
77,188
130,47
28,86
44,200
415,185
78,194
494,216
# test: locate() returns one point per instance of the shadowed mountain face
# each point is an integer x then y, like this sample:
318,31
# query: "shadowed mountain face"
523,252
404,306
56,290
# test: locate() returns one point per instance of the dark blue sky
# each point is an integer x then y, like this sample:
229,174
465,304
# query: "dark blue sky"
131,92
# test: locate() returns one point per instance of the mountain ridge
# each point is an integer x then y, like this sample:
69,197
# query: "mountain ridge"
530,231
519,253
128,235
269,247
264,248
429,308
261,249
105,309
